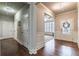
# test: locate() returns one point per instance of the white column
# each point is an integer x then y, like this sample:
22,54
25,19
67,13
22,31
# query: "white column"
32,29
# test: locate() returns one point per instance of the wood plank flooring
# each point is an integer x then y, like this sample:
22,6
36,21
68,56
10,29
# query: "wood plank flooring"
10,47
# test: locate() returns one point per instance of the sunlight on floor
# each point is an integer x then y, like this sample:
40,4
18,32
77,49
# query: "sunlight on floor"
48,38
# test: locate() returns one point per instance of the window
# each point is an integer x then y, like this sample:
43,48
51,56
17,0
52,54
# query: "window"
66,27
49,24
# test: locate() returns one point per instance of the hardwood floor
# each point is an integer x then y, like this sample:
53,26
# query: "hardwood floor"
10,47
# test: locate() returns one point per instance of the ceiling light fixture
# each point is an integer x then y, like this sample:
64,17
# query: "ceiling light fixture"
61,5
9,9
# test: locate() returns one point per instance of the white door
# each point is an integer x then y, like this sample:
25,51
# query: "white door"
7,30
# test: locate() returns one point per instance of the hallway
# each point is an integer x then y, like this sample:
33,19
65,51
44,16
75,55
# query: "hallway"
52,48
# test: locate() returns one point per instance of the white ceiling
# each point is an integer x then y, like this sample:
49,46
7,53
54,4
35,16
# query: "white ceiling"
60,7
10,8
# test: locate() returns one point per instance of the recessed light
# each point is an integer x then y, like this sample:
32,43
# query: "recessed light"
9,9
62,5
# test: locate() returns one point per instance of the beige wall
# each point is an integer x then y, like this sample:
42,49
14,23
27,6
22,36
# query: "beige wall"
41,9
72,15
78,25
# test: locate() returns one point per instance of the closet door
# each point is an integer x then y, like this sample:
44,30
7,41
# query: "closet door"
7,29
10,28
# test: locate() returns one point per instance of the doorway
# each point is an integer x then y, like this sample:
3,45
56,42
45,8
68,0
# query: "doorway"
49,27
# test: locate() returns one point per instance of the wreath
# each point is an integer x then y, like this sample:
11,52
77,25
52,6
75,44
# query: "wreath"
66,25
